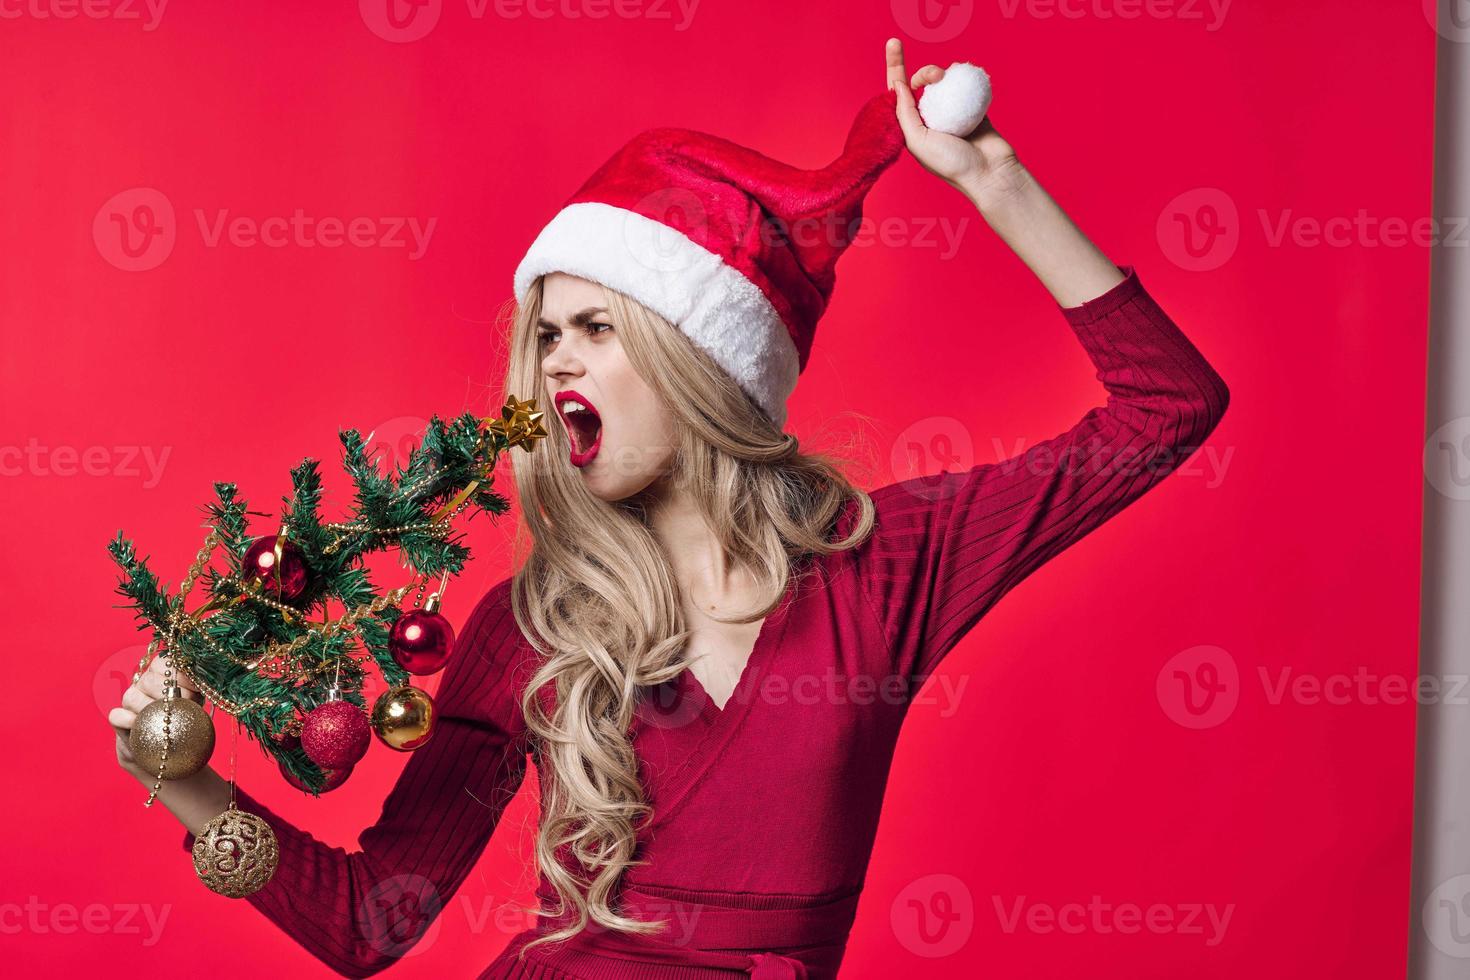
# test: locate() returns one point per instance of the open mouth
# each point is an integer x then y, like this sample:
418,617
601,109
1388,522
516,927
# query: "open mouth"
584,426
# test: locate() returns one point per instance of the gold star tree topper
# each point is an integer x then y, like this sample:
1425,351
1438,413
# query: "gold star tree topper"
519,423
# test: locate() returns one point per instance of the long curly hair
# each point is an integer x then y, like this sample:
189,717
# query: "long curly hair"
597,599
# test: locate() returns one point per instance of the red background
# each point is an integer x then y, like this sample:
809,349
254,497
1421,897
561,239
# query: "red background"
1060,774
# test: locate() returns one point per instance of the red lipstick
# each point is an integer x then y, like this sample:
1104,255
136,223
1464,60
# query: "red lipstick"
584,425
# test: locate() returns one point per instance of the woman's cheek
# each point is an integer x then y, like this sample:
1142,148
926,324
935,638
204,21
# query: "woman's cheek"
633,460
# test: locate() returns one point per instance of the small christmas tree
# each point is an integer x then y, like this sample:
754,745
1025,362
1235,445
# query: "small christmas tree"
266,644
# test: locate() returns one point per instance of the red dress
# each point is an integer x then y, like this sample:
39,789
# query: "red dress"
765,811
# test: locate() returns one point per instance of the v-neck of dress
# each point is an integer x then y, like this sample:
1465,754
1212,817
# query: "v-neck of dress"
691,733
691,687
688,736
742,694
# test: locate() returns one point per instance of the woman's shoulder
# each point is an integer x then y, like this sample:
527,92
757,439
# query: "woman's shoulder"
895,506
492,659
491,631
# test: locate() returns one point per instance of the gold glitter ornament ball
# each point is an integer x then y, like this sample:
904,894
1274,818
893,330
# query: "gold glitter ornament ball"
174,733
403,718
236,853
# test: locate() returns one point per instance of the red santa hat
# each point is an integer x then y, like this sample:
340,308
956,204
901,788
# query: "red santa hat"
737,250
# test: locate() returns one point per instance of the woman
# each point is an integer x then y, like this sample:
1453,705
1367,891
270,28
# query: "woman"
692,573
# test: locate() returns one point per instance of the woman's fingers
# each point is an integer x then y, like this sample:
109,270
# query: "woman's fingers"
122,720
893,54
134,699
908,113
909,119
153,678
150,684
927,75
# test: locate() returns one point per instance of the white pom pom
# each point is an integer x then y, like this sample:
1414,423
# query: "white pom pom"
957,102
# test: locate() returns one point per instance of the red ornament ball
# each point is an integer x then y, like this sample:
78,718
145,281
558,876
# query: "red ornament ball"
335,778
335,735
285,579
421,641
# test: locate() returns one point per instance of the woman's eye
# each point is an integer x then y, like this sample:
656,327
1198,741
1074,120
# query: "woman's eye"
546,337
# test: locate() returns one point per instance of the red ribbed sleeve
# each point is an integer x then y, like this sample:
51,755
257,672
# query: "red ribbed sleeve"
946,548
359,911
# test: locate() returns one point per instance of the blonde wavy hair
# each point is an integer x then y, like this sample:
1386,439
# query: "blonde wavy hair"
597,599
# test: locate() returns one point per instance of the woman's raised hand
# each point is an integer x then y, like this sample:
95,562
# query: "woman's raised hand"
981,164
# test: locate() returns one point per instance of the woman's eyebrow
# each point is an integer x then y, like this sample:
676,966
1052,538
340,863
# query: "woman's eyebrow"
580,319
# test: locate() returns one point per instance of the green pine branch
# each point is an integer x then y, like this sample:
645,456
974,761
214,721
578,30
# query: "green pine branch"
232,637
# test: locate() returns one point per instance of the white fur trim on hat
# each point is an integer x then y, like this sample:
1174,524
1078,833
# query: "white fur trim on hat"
957,102
717,307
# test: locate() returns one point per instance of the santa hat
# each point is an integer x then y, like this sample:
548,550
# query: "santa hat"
736,249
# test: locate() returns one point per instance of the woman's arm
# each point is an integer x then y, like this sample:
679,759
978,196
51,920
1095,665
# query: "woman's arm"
944,550
1026,218
359,911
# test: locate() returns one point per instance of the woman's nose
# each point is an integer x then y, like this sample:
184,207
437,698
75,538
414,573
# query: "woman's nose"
564,358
